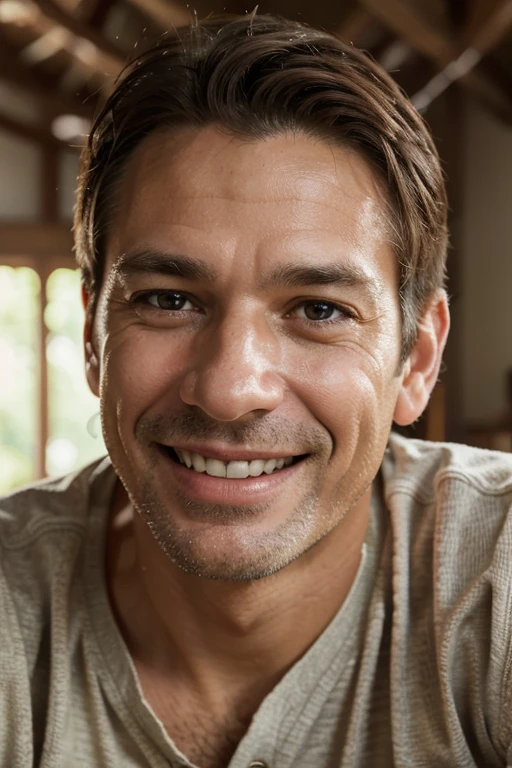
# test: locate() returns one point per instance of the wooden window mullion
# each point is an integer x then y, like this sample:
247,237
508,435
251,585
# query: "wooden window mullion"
43,430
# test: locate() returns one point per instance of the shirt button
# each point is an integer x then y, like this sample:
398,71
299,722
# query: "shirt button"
258,764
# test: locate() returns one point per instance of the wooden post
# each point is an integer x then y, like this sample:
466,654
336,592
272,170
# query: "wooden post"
50,215
43,272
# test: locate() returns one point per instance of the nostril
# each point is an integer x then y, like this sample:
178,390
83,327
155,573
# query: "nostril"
228,391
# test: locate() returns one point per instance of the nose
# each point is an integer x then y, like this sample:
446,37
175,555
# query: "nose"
234,371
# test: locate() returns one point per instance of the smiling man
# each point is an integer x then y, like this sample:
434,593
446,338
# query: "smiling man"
259,574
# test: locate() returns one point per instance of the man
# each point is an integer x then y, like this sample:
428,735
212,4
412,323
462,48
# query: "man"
259,574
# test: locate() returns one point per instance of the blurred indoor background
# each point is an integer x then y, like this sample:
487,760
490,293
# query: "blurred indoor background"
58,60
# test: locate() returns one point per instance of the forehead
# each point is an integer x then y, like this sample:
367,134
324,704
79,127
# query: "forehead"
210,188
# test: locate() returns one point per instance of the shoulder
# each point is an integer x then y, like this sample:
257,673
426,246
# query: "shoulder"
450,516
43,534
454,503
44,531
454,473
45,506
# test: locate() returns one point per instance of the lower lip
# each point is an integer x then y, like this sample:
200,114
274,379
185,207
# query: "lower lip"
220,490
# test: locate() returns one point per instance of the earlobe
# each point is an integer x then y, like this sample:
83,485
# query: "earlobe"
422,367
412,399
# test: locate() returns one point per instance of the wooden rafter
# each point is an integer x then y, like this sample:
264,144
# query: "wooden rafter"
13,72
108,59
486,30
354,25
36,239
497,73
457,12
476,15
30,132
96,11
166,13
405,22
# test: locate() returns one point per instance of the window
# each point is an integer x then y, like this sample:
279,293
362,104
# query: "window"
48,423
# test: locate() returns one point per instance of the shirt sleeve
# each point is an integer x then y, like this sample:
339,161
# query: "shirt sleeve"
16,742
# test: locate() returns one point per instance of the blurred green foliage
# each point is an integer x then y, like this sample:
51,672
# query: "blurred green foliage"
19,308
71,405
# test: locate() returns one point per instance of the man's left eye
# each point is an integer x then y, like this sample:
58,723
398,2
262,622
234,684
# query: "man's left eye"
172,301
320,310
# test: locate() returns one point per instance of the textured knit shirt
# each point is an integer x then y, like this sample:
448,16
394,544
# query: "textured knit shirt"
414,670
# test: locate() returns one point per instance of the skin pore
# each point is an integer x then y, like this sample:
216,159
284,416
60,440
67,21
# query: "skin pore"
249,308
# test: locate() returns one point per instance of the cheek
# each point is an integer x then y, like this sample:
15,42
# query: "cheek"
140,369
349,393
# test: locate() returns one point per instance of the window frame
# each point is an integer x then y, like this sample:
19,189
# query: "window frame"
43,266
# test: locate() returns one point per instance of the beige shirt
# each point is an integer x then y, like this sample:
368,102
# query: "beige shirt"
415,669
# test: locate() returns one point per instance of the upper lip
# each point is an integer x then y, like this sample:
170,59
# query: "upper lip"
225,453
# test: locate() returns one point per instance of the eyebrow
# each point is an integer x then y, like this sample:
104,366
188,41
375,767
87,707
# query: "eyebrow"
151,260
163,263
337,274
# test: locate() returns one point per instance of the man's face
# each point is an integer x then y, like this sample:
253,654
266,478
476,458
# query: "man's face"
248,322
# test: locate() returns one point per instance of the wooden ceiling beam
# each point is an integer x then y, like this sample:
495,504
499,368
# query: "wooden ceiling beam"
36,240
13,72
166,13
96,11
497,74
30,132
486,30
353,27
110,60
401,19
457,12
456,61
477,14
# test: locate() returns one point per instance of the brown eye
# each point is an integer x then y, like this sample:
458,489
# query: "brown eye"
169,300
319,310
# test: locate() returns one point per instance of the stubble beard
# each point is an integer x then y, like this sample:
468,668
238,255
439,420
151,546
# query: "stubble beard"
259,554
228,545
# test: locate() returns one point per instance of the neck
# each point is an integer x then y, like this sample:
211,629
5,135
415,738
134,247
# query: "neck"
226,636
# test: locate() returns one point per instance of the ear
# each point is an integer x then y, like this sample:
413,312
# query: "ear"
92,367
422,366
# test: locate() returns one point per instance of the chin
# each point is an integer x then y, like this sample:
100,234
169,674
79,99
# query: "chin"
231,543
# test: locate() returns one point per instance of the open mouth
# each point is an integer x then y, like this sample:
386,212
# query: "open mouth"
230,469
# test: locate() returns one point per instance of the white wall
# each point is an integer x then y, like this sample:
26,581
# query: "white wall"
18,105
486,264
68,171
20,179
20,169
20,160
21,164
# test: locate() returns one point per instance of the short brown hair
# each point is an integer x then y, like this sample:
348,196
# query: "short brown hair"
258,76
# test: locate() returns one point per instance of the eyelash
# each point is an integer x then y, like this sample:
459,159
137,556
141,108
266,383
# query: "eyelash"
142,297
345,313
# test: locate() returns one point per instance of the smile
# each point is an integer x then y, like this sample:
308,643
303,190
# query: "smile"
237,469
225,475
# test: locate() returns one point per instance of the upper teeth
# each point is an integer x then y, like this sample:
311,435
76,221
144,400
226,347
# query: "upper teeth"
232,469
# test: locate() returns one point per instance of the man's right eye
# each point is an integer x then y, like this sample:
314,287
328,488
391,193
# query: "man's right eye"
170,301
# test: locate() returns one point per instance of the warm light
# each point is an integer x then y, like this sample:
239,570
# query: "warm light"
85,52
61,456
17,12
70,128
